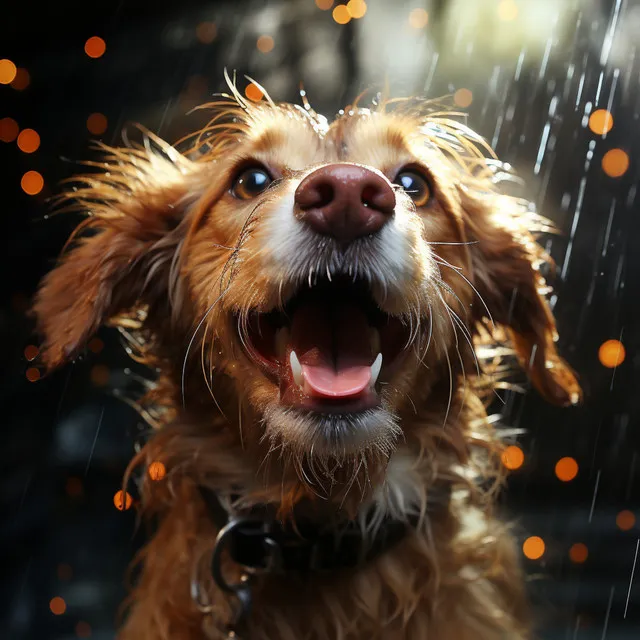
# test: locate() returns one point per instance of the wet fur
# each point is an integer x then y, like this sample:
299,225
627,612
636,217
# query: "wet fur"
176,260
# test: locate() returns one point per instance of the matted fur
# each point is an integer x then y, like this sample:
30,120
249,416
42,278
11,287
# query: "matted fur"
177,262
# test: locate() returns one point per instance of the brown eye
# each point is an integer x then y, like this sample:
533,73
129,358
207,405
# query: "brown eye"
415,186
250,183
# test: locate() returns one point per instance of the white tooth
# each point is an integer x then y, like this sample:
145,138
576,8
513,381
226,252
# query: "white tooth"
282,340
374,336
296,368
375,369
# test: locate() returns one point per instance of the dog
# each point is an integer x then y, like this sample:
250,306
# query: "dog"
318,301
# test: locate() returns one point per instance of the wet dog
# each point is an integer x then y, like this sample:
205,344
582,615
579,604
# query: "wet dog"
317,299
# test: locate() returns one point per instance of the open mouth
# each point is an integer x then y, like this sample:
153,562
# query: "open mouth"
331,347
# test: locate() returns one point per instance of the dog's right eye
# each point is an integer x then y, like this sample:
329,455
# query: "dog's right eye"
250,183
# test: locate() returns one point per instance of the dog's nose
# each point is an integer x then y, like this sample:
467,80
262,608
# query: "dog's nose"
345,201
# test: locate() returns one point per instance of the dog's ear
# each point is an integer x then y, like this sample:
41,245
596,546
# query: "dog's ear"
135,209
506,261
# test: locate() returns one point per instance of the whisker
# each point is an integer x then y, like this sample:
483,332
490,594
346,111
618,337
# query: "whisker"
446,415
193,337
455,244
457,270
208,379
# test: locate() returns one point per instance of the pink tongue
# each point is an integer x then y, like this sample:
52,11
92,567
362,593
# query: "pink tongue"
333,346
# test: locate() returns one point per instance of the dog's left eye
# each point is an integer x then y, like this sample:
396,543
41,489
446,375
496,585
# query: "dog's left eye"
415,186
250,183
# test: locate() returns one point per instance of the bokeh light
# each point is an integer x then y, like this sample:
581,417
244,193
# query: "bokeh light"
566,469
357,8
265,44
463,97
418,18
97,123
615,163
325,5
95,345
122,500
8,71
28,141
33,374
512,457
83,629
157,470
31,352
95,47
578,553
507,10
341,14
533,548
206,32
100,375
600,121
32,183
253,92
58,606
9,129
22,79
625,520
611,354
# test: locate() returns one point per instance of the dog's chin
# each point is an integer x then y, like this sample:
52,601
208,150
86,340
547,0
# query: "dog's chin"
336,434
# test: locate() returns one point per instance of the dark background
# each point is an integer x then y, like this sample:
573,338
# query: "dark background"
536,70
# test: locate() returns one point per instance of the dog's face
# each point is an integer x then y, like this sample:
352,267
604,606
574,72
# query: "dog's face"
335,273
333,293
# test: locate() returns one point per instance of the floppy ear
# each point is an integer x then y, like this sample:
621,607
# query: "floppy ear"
505,260
135,208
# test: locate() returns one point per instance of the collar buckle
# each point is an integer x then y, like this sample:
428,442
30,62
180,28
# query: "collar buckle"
270,560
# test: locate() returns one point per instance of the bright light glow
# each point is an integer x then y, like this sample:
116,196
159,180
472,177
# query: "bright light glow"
533,548
8,71
357,8
28,141
97,123
341,14
265,44
463,97
615,163
95,47
418,18
578,553
600,121
512,457
566,469
32,183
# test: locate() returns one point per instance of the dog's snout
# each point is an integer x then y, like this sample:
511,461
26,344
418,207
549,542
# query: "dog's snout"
345,201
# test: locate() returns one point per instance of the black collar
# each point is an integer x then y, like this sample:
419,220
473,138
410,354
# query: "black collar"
259,542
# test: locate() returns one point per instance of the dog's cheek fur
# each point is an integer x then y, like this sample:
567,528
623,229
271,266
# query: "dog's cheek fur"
506,261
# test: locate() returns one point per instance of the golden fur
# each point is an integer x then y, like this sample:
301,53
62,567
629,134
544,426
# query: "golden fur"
178,263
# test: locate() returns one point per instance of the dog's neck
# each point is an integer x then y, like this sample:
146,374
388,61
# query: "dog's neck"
267,475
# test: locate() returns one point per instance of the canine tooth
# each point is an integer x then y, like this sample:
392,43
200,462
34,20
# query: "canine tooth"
296,368
282,339
375,369
374,336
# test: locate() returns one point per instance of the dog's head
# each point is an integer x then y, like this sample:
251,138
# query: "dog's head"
329,278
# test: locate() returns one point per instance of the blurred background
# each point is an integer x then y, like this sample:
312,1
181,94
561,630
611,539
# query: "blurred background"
554,87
